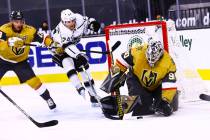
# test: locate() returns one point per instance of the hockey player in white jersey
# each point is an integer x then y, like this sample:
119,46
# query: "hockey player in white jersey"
62,43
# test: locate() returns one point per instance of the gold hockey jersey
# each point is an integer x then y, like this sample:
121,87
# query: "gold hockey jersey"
12,54
149,77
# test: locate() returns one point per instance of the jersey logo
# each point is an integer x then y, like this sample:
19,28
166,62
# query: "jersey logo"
149,78
17,51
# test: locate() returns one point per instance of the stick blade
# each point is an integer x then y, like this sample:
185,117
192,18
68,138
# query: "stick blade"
47,124
204,97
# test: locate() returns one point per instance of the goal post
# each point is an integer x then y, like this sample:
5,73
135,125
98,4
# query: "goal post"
131,35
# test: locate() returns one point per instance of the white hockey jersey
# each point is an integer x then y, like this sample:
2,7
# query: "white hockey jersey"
63,35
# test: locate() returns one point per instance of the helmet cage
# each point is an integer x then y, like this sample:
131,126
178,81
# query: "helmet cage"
154,52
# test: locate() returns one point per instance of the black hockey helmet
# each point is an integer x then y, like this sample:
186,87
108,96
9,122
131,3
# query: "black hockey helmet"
16,15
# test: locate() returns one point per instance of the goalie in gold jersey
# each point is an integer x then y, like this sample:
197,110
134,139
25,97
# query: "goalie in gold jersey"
153,80
14,54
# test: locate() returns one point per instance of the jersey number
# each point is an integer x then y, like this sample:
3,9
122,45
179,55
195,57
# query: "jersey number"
66,39
171,76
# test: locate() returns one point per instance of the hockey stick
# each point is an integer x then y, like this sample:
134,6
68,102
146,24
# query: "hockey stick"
204,97
114,47
105,52
40,125
117,92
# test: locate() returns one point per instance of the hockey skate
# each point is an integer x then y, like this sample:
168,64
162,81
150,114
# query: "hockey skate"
51,103
94,100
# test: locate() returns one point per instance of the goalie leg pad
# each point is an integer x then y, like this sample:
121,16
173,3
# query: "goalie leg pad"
175,102
135,88
113,82
110,106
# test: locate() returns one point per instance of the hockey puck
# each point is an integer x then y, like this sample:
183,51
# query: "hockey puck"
139,117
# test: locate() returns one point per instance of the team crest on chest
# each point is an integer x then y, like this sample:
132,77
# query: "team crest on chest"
149,78
17,51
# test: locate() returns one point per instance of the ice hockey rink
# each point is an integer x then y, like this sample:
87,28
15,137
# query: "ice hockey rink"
79,121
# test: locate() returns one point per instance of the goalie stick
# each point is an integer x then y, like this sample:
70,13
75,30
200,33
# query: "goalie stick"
204,97
114,47
117,92
38,124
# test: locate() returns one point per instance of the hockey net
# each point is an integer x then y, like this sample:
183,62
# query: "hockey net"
189,83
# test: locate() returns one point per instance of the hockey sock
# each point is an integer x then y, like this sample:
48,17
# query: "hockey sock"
72,75
90,87
45,95
86,77
43,92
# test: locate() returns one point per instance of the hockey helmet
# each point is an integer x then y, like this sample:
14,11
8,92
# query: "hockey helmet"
67,15
16,15
154,51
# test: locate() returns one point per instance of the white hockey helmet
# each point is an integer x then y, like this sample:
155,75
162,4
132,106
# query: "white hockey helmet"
67,15
154,51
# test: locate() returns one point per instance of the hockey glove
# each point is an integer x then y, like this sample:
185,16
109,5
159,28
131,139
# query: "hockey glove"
48,41
56,48
94,26
82,59
59,50
15,42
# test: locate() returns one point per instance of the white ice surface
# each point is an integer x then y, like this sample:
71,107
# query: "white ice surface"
79,121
